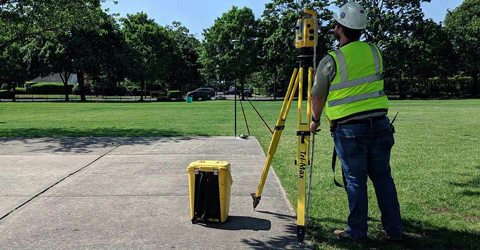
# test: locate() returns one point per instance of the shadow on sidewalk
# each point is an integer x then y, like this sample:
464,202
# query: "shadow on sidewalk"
242,223
89,132
78,142
281,242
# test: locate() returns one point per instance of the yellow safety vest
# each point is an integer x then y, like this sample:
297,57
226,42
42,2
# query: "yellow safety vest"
358,85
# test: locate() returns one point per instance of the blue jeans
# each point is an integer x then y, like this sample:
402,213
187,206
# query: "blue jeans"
364,150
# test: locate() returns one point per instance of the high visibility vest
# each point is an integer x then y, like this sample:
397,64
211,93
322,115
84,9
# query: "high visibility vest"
358,85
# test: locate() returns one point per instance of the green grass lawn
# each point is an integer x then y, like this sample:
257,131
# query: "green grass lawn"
435,160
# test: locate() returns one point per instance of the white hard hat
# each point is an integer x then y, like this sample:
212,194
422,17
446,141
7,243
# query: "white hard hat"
352,15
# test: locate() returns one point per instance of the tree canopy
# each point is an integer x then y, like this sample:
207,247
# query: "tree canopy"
39,38
464,24
148,49
230,48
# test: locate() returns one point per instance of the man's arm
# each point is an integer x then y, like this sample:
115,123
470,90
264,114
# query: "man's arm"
318,102
325,73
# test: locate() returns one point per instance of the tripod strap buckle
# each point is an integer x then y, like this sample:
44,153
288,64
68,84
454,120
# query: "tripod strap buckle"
303,134
279,127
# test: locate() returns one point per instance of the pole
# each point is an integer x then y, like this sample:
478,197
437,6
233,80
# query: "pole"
235,93
310,180
275,86
245,117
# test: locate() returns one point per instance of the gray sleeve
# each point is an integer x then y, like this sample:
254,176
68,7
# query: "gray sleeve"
326,71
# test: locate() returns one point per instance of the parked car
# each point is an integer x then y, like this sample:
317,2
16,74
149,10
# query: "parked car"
231,91
248,92
202,93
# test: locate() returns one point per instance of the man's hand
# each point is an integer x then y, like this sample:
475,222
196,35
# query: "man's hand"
314,127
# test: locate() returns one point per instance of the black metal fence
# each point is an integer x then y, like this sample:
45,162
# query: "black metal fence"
75,98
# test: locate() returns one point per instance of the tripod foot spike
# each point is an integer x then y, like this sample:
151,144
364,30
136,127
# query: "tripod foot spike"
300,233
256,200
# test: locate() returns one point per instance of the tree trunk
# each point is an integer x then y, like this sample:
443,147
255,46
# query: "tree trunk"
65,76
402,90
428,94
145,89
475,85
141,91
81,86
9,86
242,83
275,86
12,87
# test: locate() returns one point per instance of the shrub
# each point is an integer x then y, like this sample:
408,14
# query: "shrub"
174,94
20,90
88,89
28,85
110,90
431,88
4,94
48,88
157,94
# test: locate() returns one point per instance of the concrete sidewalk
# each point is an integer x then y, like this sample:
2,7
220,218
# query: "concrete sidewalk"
132,193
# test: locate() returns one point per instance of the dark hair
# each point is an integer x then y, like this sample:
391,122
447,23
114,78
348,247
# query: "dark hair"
351,34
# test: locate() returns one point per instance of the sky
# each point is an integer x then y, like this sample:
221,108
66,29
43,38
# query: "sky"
199,14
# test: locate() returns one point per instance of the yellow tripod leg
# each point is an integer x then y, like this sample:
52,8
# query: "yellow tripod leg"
303,153
279,126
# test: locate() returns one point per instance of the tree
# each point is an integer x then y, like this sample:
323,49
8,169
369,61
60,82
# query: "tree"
31,18
389,25
78,51
464,24
183,71
23,21
430,52
97,52
113,59
278,36
224,61
387,19
19,62
57,55
149,49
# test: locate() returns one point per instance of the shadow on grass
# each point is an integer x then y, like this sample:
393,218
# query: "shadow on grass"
87,140
471,193
474,183
417,235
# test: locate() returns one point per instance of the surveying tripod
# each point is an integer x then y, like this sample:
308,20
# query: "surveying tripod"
305,42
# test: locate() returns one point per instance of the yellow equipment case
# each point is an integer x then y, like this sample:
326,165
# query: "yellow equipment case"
210,186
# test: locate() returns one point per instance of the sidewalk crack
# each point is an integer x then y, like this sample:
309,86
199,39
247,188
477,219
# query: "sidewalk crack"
64,178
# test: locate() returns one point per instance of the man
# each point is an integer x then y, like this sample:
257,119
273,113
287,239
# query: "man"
349,84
